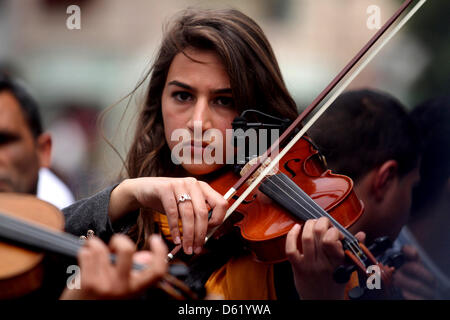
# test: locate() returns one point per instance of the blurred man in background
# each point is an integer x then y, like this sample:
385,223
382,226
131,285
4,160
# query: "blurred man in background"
25,148
369,137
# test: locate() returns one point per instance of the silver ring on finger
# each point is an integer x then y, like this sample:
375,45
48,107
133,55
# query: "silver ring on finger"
184,197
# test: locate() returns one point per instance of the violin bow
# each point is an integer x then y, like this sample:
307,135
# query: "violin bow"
297,122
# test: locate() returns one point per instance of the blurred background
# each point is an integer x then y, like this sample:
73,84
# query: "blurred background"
76,74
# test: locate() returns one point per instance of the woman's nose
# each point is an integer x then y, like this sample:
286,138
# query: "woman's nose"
201,115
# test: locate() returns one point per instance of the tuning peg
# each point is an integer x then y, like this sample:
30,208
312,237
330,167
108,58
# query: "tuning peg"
396,260
380,245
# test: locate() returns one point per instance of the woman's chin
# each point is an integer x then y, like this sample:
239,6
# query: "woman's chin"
201,169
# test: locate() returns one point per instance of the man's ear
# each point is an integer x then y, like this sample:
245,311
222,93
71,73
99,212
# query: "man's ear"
384,179
44,149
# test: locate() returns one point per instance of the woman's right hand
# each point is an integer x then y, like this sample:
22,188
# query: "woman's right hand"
161,194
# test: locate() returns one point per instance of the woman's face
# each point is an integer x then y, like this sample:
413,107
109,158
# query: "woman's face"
197,103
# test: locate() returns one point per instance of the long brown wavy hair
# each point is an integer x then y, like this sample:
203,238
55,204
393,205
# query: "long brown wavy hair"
255,80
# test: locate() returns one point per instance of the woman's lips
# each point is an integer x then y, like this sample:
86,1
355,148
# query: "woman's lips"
198,148
202,144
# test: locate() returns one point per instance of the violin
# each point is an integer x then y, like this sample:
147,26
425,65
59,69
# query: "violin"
303,189
29,227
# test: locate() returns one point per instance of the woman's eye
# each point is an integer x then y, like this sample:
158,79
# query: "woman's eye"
224,101
182,96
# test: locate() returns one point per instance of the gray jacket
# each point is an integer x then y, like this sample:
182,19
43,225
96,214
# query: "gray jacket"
92,214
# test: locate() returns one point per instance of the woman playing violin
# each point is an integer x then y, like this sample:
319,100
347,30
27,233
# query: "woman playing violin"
211,66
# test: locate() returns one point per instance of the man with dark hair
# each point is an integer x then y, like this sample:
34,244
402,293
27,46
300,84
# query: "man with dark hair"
24,147
369,137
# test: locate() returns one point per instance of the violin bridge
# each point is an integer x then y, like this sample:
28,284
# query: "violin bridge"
263,166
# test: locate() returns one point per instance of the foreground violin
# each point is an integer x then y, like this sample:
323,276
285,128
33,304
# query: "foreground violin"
28,227
302,189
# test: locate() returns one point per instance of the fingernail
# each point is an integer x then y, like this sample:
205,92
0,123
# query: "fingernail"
177,240
189,250
198,250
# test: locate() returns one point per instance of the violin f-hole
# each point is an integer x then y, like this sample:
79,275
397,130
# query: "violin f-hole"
288,169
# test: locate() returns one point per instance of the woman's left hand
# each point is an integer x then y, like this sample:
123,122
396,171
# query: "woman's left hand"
314,256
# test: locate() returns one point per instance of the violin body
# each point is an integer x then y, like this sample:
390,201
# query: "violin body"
265,224
21,270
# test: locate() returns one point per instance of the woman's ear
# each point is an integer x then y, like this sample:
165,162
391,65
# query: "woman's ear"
384,179
44,149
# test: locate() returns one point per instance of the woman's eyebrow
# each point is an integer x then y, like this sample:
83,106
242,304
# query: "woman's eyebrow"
224,90
181,84
188,87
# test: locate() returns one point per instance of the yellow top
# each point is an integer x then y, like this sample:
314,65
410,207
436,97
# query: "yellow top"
243,279
163,224
240,278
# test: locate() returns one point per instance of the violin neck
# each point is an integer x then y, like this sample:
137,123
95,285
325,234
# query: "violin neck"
281,189
38,238
34,237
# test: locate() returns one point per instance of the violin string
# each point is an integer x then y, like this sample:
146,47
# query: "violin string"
27,229
66,244
310,213
35,236
23,232
319,210
52,236
314,206
352,244
356,250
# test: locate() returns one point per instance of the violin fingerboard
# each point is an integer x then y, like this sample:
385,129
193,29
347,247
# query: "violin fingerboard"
271,188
